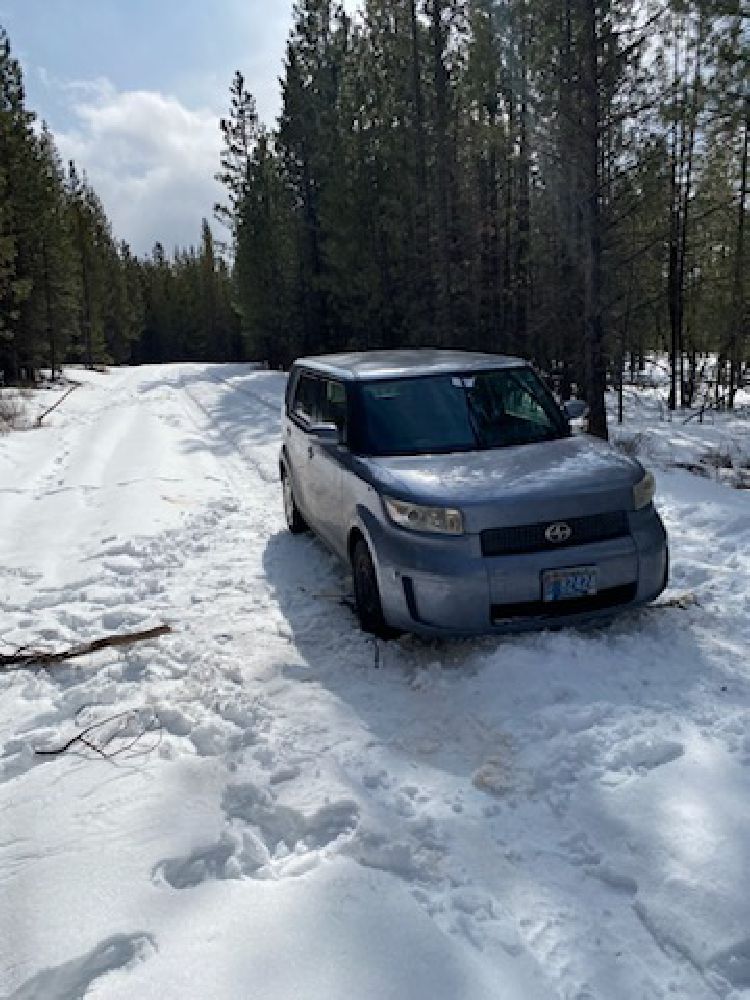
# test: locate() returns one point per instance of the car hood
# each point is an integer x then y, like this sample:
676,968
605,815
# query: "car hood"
567,477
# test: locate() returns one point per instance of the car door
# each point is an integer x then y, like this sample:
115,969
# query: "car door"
305,410
326,465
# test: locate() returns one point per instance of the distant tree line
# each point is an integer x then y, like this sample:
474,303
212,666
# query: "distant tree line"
69,291
560,179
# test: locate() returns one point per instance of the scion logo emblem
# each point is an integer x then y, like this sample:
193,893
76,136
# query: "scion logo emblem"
558,533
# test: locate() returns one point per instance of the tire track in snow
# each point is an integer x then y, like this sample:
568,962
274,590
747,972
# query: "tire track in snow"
274,406
215,428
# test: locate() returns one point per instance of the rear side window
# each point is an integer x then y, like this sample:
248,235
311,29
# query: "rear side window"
307,403
318,400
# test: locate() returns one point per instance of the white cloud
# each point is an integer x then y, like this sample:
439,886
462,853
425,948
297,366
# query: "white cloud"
150,159
98,89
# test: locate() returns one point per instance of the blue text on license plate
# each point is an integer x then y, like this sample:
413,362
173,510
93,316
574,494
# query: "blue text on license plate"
565,584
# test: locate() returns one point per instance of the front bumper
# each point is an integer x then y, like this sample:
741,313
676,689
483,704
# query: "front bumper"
445,586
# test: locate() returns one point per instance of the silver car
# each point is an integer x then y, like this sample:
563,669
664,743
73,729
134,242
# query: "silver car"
451,484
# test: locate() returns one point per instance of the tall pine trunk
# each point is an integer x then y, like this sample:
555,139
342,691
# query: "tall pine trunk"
738,290
523,209
681,174
86,319
595,365
442,265
48,320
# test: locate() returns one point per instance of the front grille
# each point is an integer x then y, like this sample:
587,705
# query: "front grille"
559,609
530,537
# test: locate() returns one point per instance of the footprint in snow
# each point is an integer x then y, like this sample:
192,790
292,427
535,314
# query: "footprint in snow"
276,822
73,979
264,840
212,862
483,921
615,879
646,754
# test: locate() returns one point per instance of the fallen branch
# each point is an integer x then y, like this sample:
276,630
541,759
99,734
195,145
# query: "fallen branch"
25,657
62,399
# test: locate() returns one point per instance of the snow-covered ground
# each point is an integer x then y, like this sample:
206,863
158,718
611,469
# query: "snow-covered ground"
554,816
713,444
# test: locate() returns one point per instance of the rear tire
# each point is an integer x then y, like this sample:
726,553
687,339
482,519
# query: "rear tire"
367,594
294,520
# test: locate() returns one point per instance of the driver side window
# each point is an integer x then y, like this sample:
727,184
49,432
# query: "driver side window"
334,406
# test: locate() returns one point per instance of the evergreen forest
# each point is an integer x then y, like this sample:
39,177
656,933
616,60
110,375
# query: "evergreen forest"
70,291
565,180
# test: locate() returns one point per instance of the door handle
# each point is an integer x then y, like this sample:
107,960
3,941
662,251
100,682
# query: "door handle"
309,451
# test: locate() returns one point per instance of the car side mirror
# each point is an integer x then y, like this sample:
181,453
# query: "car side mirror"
325,433
574,409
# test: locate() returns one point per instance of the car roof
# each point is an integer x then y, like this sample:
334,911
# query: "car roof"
399,364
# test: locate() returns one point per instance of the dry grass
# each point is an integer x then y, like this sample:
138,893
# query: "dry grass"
12,413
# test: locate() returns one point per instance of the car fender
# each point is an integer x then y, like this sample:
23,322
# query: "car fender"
366,524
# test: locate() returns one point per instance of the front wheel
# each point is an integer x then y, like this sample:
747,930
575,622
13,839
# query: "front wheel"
294,520
366,592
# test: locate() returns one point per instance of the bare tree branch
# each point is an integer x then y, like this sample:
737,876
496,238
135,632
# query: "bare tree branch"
96,736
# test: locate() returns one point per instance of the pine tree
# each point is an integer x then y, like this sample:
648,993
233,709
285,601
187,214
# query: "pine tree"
264,273
214,336
496,174
55,296
123,306
94,249
157,342
16,215
309,142
240,134
7,261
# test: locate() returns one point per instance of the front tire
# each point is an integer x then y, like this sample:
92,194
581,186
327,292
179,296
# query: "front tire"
294,520
366,593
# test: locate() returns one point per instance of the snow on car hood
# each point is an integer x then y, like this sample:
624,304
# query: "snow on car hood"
561,478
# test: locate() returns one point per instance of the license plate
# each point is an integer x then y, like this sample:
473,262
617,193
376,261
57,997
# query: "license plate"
566,584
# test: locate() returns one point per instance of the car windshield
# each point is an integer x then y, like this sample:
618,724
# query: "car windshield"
474,411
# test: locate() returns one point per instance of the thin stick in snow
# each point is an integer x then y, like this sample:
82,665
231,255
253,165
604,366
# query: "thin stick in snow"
62,399
114,727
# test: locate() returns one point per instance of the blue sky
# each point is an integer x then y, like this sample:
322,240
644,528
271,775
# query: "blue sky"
133,90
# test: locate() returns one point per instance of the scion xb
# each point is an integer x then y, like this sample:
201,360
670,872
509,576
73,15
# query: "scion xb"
452,485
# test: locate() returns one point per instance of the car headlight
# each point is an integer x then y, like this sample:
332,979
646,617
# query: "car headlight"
439,520
643,492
